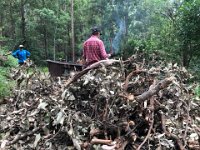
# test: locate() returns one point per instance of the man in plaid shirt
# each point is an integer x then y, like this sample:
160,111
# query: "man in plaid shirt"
94,49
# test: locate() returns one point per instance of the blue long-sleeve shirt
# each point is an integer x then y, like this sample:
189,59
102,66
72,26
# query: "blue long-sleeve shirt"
21,55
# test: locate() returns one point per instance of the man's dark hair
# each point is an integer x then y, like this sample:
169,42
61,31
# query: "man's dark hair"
95,30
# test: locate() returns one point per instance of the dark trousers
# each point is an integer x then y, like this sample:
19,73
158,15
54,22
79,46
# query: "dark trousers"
21,63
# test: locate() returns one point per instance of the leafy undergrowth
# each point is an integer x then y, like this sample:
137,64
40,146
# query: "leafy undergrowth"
130,104
6,83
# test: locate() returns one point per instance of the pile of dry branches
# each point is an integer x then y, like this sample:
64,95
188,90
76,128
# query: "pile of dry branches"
111,105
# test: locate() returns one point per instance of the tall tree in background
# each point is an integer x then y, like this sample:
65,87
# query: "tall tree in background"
52,32
188,31
72,29
23,19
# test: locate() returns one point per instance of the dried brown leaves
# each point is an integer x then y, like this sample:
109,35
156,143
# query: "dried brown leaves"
132,104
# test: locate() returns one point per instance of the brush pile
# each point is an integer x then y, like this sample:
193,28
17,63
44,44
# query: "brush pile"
133,104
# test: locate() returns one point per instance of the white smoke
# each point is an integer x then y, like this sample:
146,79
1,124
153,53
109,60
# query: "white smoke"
121,31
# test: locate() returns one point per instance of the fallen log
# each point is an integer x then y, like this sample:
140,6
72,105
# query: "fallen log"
155,89
93,66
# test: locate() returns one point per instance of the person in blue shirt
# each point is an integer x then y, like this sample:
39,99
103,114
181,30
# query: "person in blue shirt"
21,54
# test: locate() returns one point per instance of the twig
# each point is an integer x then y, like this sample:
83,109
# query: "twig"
19,137
75,141
29,77
155,89
101,141
129,59
187,123
18,98
93,66
152,122
133,73
171,135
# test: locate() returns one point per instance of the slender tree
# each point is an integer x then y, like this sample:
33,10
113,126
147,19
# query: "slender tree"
72,29
23,19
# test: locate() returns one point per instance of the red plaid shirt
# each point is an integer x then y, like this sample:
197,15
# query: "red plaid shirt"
94,50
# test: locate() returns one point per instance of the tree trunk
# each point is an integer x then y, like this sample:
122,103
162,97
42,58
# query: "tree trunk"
45,34
187,54
45,42
54,44
72,27
12,22
67,53
1,29
23,20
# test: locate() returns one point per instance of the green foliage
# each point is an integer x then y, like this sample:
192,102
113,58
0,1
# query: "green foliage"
168,26
197,92
45,15
5,84
60,56
129,48
188,30
195,68
44,69
11,62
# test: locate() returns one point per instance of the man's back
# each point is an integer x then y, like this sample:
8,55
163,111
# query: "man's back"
94,50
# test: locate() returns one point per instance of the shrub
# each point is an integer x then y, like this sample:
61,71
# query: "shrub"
6,85
197,92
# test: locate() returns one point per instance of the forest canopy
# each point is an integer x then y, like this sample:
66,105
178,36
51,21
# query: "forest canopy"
57,29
